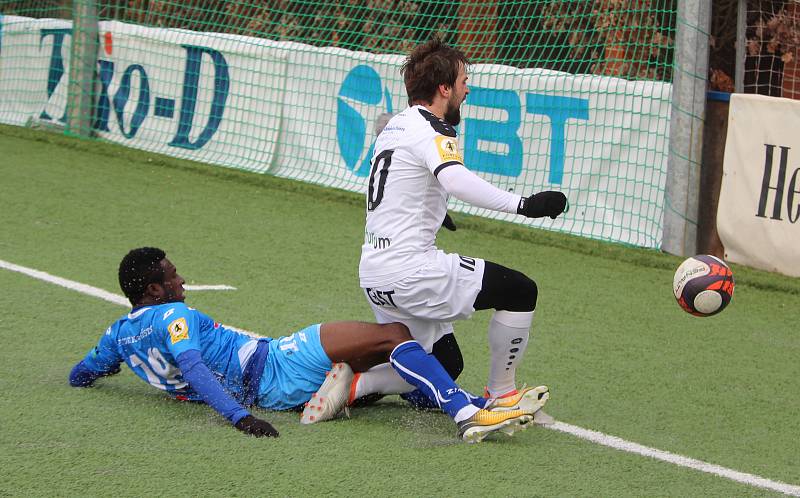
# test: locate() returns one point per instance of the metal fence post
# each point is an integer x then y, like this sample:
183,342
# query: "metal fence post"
83,60
741,45
686,126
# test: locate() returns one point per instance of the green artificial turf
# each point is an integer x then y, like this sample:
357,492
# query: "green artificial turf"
617,352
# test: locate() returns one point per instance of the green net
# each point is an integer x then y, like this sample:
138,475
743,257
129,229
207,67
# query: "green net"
56,9
618,38
567,95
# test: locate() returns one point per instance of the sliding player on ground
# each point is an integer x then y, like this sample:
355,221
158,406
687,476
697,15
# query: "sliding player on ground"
191,357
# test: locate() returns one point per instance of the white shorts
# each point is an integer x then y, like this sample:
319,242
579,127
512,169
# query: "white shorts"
428,301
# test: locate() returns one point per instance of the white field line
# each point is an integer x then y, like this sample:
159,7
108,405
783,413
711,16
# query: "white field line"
208,287
69,284
103,294
682,461
589,435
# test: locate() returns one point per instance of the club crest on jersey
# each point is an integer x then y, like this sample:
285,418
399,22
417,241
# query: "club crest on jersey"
448,149
178,330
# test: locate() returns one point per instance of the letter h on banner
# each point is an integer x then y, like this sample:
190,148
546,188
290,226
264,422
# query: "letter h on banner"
793,213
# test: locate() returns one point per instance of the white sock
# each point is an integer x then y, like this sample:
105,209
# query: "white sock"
508,340
465,413
381,379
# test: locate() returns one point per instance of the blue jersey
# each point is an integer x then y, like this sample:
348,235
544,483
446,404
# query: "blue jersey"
150,338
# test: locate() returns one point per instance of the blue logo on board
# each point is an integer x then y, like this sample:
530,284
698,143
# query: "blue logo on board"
362,99
490,145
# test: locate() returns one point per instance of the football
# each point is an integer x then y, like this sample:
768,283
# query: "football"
703,285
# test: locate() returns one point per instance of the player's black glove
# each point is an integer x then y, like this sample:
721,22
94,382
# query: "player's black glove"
448,223
548,203
256,427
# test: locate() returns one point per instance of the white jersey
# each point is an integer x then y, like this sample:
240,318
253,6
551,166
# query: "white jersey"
405,202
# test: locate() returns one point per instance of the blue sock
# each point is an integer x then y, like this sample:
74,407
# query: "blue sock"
424,371
478,401
419,400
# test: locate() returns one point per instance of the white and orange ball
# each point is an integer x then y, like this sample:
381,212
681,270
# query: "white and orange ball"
703,285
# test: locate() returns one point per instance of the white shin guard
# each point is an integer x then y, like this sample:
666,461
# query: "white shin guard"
508,339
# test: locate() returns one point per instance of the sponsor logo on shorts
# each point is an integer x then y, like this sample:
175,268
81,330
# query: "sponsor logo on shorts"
381,298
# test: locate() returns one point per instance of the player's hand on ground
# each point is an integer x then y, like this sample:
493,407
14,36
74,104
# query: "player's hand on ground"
448,223
256,427
114,371
548,203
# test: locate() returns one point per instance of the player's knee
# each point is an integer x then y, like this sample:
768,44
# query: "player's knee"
506,289
523,293
531,292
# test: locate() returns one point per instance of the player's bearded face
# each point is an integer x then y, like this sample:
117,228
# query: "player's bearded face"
458,94
453,113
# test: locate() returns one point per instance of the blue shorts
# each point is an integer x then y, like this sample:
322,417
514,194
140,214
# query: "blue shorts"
294,370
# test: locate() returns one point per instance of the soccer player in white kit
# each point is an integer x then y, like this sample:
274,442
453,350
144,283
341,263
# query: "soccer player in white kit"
415,167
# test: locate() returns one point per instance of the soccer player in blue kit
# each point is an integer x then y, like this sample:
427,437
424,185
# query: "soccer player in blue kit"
189,356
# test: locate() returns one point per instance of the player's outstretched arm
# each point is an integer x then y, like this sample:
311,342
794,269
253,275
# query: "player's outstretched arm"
83,376
469,187
101,361
465,185
197,374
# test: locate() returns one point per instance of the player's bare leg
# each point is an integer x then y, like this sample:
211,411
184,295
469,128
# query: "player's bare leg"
351,341
351,346
360,344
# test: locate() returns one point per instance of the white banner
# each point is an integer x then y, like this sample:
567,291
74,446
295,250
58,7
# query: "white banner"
759,202
309,113
603,141
205,97
34,62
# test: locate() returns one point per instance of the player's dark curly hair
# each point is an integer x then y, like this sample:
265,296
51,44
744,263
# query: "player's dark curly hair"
139,268
429,65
